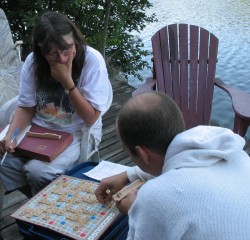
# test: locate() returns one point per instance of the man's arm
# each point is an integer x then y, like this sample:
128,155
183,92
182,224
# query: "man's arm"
109,186
135,172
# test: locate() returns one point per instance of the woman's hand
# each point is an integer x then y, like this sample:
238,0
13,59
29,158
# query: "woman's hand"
62,71
2,148
21,119
5,145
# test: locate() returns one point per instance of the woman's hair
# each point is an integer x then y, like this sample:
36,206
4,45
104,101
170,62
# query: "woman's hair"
49,30
151,120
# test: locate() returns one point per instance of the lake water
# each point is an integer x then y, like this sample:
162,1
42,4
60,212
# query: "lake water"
229,20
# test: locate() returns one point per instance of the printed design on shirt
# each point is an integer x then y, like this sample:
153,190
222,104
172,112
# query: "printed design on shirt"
54,107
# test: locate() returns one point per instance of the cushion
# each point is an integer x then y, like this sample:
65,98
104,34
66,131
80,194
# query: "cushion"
8,86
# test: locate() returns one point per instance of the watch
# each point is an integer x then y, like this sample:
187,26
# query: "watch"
67,91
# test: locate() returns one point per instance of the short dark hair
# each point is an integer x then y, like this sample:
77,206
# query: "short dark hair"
151,120
49,29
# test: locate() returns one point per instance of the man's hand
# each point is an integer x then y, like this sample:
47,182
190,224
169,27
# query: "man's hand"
109,186
125,204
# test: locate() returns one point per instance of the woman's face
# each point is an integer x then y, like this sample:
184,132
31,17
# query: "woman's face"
61,55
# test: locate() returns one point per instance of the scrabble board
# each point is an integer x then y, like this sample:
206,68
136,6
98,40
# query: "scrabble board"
68,206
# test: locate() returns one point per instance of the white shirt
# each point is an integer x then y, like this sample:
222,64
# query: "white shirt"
53,109
202,193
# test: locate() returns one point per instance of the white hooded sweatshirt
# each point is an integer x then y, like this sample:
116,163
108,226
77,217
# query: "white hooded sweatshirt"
203,192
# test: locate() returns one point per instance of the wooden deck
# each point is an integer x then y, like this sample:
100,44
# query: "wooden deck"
110,149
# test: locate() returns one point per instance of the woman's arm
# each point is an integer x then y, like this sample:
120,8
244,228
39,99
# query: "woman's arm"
83,107
21,119
63,74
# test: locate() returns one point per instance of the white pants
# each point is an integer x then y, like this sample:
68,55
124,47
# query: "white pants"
17,172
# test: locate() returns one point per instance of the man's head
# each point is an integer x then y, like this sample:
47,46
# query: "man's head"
149,122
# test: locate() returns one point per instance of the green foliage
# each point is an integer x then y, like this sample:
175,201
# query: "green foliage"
110,26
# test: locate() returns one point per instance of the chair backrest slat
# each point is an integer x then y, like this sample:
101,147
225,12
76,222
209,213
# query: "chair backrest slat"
193,82
183,56
161,60
174,56
211,70
202,72
158,60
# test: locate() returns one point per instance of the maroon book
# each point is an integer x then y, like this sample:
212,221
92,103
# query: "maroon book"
43,148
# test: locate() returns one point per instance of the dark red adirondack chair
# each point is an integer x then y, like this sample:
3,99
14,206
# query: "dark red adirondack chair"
184,67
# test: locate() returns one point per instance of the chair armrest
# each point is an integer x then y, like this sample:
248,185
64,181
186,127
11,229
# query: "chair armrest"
17,47
240,98
148,86
89,150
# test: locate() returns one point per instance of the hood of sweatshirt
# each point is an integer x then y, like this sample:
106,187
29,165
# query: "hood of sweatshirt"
203,146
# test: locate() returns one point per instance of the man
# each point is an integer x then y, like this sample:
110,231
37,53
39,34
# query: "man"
197,180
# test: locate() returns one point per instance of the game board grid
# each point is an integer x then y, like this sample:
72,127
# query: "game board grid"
95,224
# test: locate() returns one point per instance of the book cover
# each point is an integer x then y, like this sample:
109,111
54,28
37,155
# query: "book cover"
44,149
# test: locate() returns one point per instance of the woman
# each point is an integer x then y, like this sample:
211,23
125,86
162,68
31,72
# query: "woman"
64,85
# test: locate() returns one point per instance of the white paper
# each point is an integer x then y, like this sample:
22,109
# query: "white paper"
19,137
106,169
4,132
22,134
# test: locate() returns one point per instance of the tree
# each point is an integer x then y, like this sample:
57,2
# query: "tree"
108,25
